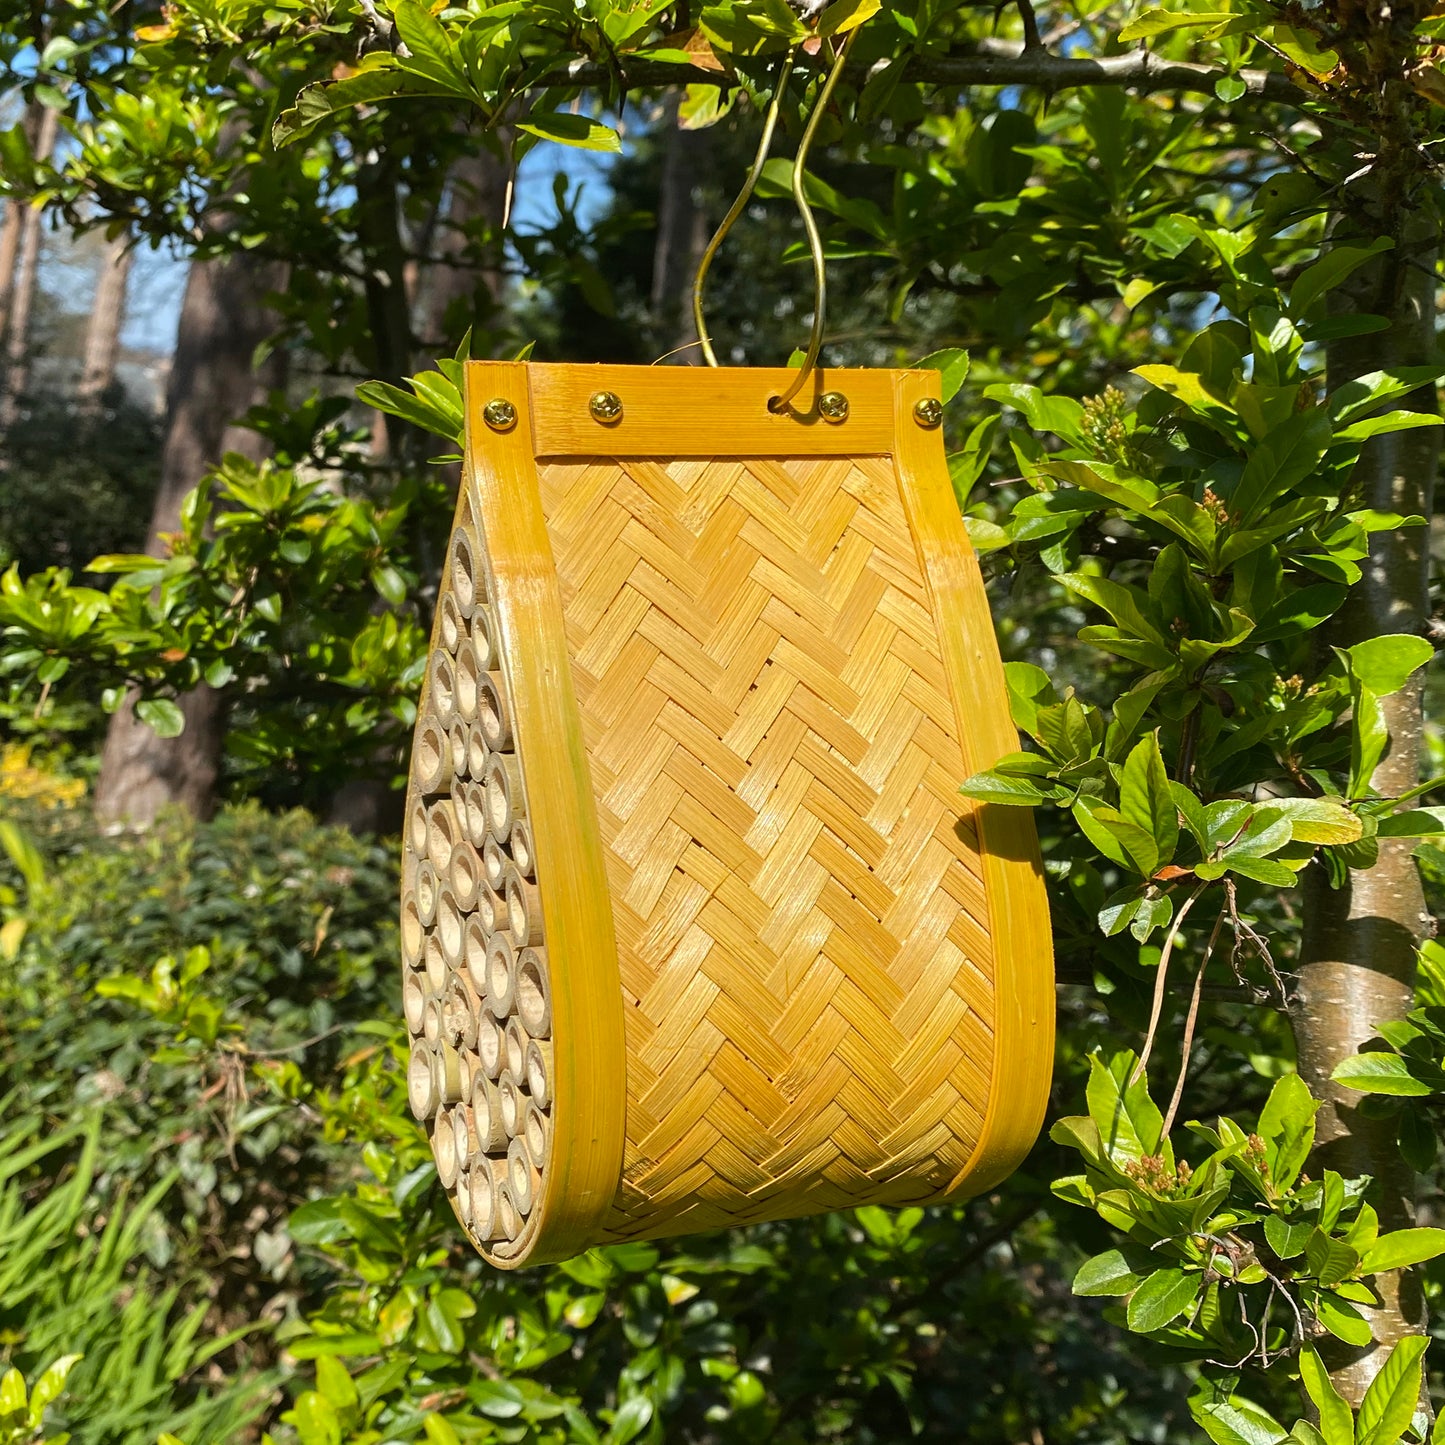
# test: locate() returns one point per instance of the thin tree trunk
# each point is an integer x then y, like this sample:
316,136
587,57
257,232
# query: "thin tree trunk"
1357,963
22,303
224,319
14,224
102,332
682,235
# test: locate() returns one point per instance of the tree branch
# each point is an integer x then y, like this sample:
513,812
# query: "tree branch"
991,62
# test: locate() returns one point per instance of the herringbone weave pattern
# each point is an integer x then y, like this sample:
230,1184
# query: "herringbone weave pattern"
800,915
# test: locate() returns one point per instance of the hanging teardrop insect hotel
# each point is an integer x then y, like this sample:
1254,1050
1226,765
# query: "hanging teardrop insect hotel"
698,930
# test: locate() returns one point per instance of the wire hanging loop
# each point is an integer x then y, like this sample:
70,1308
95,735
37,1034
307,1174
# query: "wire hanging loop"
810,225
770,123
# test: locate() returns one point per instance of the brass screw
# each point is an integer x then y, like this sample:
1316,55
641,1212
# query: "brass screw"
605,406
928,412
499,414
833,406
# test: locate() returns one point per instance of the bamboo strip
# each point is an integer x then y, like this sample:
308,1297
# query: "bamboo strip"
534,995
501,975
538,1067
524,909
493,713
431,756
521,847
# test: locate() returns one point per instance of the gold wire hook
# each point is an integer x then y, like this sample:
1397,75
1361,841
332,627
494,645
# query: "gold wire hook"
736,209
810,225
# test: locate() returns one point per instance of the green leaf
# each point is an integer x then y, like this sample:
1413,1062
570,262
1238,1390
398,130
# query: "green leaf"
1318,820
1012,791
1389,1403
951,363
1337,1424
20,848
1285,1239
1105,1274
1280,462
1384,664
844,15
12,1392
1330,1260
1378,1073
1162,1298
579,131
1159,22
1403,1247
1237,1422
1342,1319
1147,801
162,716
630,1420
1128,1120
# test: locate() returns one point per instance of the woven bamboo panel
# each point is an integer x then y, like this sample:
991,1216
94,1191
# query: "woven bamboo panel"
745,661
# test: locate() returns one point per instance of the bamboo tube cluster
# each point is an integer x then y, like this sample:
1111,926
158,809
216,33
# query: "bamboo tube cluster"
475,989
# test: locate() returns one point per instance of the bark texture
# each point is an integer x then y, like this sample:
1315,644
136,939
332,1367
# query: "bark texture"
22,294
223,320
682,236
102,332
14,224
1357,962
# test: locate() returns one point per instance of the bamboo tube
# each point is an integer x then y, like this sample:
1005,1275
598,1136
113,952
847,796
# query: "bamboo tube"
413,934
503,783
484,638
443,1150
494,866
416,828
444,689
464,1135
535,1131
490,1047
538,1068
421,1090
522,1175
460,1010
450,928
501,975
524,909
515,1040
428,889
468,674
487,1118
461,1198
432,757
448,1073
413,1002
478,753
435,962
514,1104
484,1185
466,574
534,994
521,849
471,1071
508,1213
472,801
457,743
492,711
474,951
452,625
432,1026
465,875
491,909
443,833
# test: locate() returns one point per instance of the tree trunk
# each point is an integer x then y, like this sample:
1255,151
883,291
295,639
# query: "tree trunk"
682,236
102,332
1357,961
22,296
224,319
14,224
